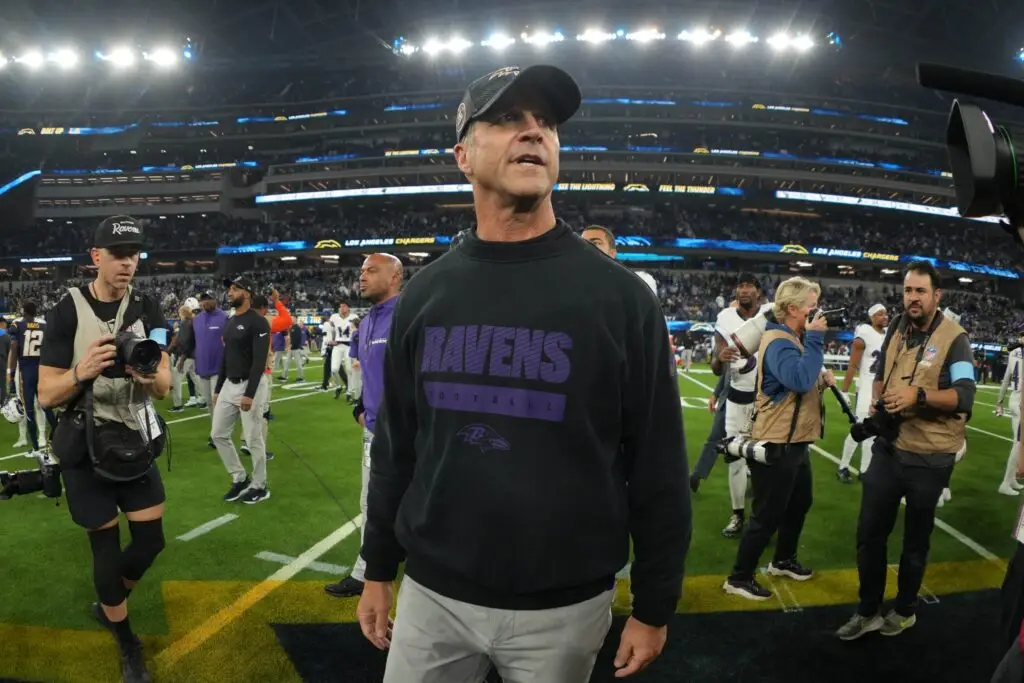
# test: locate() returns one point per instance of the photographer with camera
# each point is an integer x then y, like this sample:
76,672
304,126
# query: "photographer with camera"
102,361
924,393
788,417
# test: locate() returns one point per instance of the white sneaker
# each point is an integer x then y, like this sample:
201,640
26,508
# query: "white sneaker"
1008,490
1017,485
20,444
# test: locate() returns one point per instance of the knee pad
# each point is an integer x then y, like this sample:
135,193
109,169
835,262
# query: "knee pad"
106,566
147,543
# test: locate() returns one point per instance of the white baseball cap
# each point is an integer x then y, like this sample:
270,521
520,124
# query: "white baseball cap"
192,303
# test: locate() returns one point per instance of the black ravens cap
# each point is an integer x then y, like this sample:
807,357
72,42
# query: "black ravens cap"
559,90
242,282
118,231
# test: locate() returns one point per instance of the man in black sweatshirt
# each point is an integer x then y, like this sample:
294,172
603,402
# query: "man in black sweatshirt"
519,448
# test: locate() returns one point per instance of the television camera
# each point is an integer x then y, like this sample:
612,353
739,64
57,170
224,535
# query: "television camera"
983,155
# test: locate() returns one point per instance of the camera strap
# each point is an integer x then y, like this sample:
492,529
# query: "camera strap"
905,345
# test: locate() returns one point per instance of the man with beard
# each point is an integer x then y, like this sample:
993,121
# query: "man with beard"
864,360
379,283
926,378
242,387
741,393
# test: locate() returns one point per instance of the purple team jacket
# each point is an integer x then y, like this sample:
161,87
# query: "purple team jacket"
209,333
373,342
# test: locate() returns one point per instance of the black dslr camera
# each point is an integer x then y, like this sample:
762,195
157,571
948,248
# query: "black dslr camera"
883,425
837,317
45,479
136,352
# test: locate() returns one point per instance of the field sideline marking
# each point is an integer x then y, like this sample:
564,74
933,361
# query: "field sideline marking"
966,540
325,567
188,643
998,436
208,527
303,394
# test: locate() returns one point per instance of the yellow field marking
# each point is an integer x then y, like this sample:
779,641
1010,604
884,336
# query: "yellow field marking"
217,622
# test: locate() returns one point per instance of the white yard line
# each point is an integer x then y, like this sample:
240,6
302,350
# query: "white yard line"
325,567
195,638
208,527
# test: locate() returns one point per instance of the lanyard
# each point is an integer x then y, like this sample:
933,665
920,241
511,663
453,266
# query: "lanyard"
905,345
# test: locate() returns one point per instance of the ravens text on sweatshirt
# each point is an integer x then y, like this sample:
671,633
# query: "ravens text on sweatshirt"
530,426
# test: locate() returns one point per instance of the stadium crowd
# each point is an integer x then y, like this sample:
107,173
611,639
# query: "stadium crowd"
686,295
946,239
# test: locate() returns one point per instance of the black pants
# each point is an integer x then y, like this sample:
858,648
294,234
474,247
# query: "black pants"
782,497
1012,597
708,454
327,368
883,485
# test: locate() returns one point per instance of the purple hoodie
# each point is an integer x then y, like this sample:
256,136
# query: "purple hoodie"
373,342
209,333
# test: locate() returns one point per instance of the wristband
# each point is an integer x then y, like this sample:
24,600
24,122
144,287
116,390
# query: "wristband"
74,376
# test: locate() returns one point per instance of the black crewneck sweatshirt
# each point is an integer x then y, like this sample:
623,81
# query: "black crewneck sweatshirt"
530,426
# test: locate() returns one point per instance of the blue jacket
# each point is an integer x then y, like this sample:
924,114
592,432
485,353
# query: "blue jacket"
786,369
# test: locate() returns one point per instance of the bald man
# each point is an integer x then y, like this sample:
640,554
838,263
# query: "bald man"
380,280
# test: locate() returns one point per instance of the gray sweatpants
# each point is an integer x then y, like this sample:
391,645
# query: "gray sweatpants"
225,413
205,386
439,640
294,356
360,568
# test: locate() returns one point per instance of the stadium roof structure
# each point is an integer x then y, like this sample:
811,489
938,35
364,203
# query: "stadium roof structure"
333,33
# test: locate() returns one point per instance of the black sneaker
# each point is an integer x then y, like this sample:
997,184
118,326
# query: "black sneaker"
210,443
337,392
236,490
346,588
844,476
751,590
282,379
133,664
270,456
244,448
176,409
253,496
791,569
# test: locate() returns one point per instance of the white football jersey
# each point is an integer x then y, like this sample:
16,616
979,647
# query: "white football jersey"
343,327
1014,370
743,372
872,356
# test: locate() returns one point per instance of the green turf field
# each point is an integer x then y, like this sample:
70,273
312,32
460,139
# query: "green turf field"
206,608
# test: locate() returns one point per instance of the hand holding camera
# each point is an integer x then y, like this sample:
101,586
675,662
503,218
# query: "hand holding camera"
819,324
897,400
100,356
140,378
728,354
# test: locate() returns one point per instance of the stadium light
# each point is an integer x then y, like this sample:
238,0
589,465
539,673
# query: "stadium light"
740,39
33,59
3,61
161,56
595,36
1020,55
542,38
120,57
64,58
700,36
802,43
646,35
498,41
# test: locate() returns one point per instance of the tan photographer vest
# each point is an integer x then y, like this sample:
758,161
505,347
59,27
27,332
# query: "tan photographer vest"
110,396
924,430
797,418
